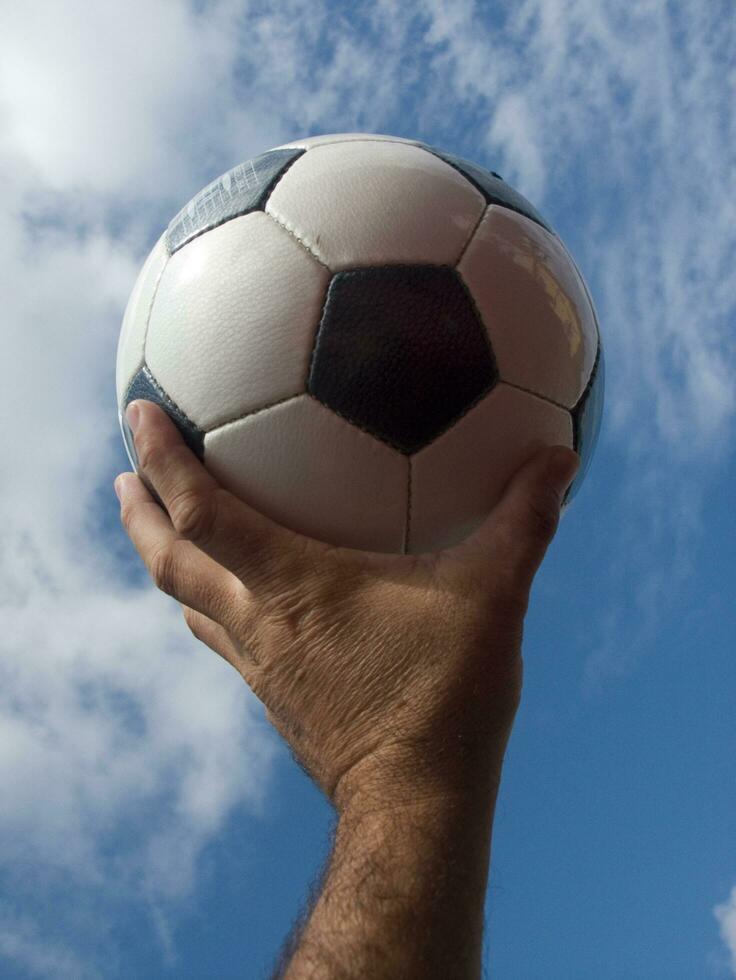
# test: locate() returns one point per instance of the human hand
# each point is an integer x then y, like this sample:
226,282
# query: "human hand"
399,673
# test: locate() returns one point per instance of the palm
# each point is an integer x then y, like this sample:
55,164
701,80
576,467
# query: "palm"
350,651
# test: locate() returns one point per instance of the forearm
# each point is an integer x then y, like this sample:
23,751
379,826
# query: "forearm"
404,893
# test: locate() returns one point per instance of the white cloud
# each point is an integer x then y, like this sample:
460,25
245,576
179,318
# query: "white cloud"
631,105
24,944
96,95
110,118
515,129
620,125
124,744
103,704
726,917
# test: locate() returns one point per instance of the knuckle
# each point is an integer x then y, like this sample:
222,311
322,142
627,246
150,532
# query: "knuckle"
193,515
151,455
194,622
163,569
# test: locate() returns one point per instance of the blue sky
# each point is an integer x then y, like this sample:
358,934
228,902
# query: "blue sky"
152,824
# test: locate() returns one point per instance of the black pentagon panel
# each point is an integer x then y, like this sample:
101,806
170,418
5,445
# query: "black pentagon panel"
492,186
244,188
586,422
145,386
401,352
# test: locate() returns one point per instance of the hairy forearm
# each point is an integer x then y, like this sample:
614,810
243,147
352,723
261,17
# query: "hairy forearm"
403,894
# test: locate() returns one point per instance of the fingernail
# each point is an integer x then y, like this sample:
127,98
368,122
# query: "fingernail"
133,415
563,467
118,485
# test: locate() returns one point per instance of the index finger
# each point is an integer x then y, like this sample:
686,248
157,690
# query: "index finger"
247,543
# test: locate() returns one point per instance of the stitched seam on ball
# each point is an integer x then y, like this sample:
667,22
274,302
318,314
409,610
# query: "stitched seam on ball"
144,363
153,300
254,411
465,247
315,335
292,232
535,394
165,396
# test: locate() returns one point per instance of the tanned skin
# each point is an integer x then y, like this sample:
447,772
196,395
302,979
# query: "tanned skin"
395,680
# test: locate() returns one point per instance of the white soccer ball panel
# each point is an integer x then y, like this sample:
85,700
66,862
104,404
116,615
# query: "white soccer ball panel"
306,468
458,479
357,203
133,329
309,141
233,324
534,305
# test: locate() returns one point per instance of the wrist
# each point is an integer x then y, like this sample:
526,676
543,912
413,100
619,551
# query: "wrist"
455,773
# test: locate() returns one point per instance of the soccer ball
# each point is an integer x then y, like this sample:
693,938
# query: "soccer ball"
363,337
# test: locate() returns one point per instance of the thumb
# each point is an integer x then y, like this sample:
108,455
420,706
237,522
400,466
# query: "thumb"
516,534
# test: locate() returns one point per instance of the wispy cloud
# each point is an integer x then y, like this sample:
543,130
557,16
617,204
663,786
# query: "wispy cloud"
619,125
726,916
24,945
